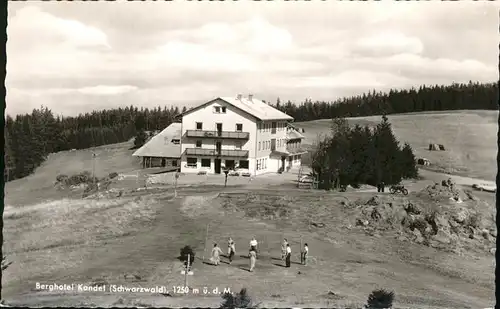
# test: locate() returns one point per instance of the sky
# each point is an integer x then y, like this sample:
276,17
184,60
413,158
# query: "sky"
74,57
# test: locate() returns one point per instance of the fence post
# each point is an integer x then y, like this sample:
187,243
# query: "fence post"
186,272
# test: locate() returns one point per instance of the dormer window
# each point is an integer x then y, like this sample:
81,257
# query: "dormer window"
176,141
223,109
217,109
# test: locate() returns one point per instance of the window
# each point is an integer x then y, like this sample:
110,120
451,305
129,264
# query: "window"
198,144
217,109
259,145
205,162
237,145
265,163
244,164
199,126
174,162
192,162
223,108
258,165
239,127
176,141
268,144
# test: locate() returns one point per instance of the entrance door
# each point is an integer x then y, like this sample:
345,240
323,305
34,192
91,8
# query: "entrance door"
217,165
230,164
283,163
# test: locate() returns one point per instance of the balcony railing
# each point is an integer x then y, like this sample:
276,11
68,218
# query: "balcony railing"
218,134
214,152
295,149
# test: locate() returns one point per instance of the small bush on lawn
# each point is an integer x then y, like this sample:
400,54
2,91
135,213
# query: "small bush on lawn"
185,251
239,300
113,175
380,299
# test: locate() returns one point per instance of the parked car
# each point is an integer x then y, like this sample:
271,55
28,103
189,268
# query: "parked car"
485,187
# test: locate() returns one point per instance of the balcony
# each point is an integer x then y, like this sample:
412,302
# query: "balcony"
217,134
295,149
216,153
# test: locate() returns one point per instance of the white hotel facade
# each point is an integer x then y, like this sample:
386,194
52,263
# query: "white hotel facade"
241,132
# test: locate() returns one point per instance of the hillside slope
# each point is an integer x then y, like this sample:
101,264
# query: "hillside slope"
470,138
40,185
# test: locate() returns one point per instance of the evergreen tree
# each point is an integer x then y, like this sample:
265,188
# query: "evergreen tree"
408,162
140,139
354,156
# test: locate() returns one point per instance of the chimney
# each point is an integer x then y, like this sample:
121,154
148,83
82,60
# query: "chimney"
238,97
250,96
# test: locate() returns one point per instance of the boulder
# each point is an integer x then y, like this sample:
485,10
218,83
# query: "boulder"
486,234
412,209
493,232
461,216
442,236
374,201
418,236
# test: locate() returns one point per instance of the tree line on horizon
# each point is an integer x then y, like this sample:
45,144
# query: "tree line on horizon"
424,99
29,138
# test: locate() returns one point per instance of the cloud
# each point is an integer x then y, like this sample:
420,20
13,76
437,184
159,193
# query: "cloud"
74,56
101,90
52,29
388,43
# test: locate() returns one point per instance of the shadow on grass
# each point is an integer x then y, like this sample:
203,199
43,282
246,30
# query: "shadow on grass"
244,268
280,265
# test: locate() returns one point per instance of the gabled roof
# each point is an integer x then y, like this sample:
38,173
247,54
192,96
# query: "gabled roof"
292,132
161,144
254,107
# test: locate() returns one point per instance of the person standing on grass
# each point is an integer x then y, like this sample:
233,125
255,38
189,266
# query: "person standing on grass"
216,252
305,252
253,258
253,245
288,255
231,249
283,248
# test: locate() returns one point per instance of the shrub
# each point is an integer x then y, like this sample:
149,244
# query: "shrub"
140,139
61,178
380,299
239,300
112,175
185,251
